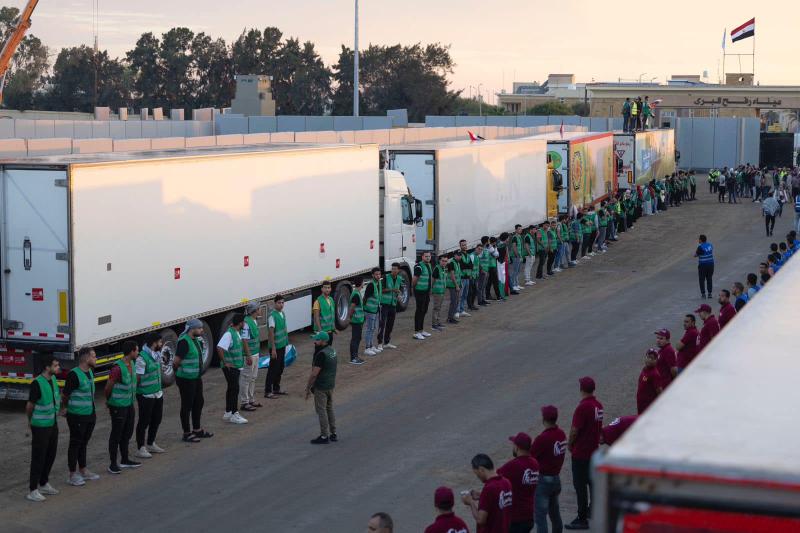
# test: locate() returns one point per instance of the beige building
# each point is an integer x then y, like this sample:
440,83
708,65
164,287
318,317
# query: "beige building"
558,87
253,96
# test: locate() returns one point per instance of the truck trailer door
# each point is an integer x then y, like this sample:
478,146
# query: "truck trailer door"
35,247
419,171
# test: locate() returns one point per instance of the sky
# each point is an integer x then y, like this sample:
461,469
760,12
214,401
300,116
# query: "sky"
492,43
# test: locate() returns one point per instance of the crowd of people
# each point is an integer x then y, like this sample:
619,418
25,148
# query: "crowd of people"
636,114
757,184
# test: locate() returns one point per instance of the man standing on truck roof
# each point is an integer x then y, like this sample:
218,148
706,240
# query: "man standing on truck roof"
710,326
188,366
324,311
372,310
77,402
422,282
392,285
277,341
453,285
356,316
321,383
549,448
584,439
231,357
515,251
437,292
705,265
251,342
41,410
626,115
120,391
149,396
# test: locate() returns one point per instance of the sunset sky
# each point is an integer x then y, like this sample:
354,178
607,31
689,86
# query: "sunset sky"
493,43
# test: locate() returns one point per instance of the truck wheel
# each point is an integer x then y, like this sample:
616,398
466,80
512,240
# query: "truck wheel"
207,342
170,339
405,291
341,299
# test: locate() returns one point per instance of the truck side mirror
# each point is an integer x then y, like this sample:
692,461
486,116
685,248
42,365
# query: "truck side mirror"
418,211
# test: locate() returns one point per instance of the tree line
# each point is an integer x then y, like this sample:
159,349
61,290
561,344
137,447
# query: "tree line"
181,69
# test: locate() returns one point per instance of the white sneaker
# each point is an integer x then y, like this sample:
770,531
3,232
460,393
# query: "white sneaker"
530,282
142,453
379,348
557,270
227,415
458,315
518,288
464,314
390,346
236,418
155,448
426,334
419,336
35,496
370,351
76,480
88,475
48,489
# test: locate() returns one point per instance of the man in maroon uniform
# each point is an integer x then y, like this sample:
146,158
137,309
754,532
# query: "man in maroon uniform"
584,439
446,521
549,449
491,508
613,431
650,382
727,311
710,326
687,346
667,358
523,473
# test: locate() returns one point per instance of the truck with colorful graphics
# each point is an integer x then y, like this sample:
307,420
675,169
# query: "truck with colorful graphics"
642,156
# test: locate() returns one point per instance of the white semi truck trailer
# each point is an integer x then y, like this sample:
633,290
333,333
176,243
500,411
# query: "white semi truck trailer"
98,249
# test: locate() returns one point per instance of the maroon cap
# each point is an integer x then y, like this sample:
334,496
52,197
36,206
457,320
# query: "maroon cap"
704,307
443,498
587,384
652,351
550,413
521,440
663,332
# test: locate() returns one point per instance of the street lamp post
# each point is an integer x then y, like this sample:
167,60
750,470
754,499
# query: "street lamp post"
480,101
355,65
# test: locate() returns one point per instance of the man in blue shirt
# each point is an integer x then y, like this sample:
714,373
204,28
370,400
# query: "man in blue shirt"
705,266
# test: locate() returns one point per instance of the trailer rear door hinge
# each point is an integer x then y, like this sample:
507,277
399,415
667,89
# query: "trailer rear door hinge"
62,256
60,183
12,324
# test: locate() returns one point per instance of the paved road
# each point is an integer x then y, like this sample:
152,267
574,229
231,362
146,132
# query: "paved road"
411,420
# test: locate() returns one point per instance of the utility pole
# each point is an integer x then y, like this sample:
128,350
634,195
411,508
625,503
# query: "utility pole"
355,68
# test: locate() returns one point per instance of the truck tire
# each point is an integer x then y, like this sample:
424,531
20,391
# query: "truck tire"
341,299
207,341
170,339
405,292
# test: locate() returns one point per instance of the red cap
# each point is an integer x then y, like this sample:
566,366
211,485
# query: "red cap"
550,413
443,498
704,307
652,351
663,332
587,384
521,440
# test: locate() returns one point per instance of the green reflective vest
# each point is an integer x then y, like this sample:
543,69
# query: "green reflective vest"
373,302
123,392
544,239
517,242
439,280
390,298
326,313
254,342
457,267
563,230
424,279
552,239
531,241
81,400
484,261
192,362
358,311
475,267
44,410
279,332
150,382
234,355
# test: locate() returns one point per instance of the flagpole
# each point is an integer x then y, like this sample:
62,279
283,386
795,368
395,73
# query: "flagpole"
754,55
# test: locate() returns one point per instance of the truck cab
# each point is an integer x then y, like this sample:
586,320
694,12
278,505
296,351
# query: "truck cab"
399,214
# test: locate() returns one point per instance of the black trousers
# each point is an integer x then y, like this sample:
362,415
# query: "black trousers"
694,192
551,257
520,527
423,299
232,391
586,245
472,293
44,445
275,370
388,313
575,247
721,195
191,402
81,428
769,222
355,340
704,274
122,422
541,258
151,411
582,481
494,283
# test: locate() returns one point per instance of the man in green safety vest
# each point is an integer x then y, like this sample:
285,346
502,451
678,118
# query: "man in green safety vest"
453,285
251,341
324,311
188,366
41,410
321,383
120,392
542,248
277,341
231,356
529,245
77,403
437,291
421,282
149,396
515,255
482,263
357,317
372,311
392,285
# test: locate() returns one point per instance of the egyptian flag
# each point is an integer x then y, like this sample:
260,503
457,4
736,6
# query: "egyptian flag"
748,29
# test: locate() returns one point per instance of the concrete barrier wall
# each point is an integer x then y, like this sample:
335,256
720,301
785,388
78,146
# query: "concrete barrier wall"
89,146
706,143
13,148
132,145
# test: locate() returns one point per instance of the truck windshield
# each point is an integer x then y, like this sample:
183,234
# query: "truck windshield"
408,212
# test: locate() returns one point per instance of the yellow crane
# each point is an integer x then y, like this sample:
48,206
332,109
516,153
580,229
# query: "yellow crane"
11,45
